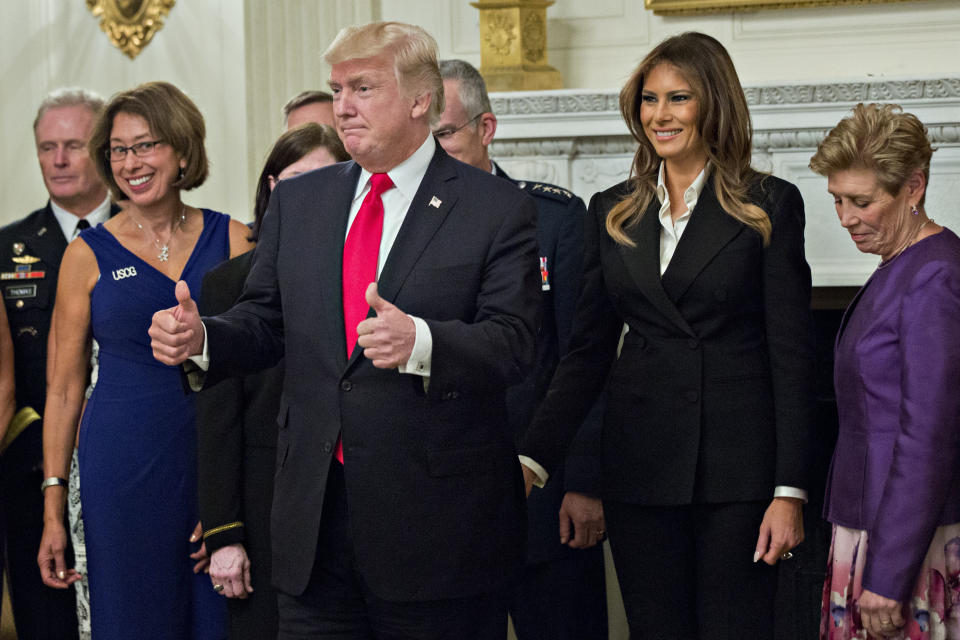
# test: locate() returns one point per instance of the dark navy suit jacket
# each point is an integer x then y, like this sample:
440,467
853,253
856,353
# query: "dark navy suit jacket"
433,484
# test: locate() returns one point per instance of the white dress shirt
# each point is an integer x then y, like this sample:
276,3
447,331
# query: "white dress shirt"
406,178
68,221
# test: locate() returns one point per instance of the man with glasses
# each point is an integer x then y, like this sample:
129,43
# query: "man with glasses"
30,253
560,591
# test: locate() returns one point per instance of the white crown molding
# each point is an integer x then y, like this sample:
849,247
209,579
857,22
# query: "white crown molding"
782,115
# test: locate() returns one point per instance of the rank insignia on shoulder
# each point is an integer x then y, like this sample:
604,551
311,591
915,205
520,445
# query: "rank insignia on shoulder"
542,188
19,259
19,248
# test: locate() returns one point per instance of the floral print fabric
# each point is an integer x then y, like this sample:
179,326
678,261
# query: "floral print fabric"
933,612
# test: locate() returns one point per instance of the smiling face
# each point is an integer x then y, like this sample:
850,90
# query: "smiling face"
68,172
145,180
668,113
878,222
379,125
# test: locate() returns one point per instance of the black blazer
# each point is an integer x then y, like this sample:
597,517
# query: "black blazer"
433,485
236,455
233,416
711,397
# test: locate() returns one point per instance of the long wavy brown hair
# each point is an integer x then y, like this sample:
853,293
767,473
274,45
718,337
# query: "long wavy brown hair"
723,122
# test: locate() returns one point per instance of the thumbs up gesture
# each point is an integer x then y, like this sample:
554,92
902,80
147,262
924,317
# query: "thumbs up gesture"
177,333
388,338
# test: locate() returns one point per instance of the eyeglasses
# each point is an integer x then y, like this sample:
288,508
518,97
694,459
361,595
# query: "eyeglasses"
140,150
446,133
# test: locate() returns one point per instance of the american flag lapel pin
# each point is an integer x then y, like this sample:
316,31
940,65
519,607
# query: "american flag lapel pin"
435,202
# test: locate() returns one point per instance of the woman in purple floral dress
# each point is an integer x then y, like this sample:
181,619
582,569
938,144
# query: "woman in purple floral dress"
893,493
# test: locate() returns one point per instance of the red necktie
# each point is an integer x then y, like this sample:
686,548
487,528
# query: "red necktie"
360,254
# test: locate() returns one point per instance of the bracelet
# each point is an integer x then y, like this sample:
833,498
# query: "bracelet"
53,481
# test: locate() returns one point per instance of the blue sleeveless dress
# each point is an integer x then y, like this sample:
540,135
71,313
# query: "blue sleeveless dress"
138,456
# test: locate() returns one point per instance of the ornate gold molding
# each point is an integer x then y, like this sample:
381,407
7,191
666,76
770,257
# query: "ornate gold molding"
130,24
513,45
680,7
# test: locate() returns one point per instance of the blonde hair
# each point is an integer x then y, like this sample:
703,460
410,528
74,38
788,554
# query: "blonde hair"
723,121
879,137
414,54
170,115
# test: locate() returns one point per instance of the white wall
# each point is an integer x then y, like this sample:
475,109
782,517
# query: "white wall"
240,60
46,44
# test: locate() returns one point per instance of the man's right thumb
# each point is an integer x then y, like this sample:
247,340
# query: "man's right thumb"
183,294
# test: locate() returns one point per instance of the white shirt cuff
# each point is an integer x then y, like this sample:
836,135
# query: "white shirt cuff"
790,492
196,366
202,360
542,475
422,353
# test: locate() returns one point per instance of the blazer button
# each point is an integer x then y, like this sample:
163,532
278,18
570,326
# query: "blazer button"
451,395
346,385
692,395
693,343
327,447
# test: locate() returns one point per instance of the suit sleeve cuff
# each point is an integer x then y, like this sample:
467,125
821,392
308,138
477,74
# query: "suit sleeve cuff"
542,475
790,492
223,536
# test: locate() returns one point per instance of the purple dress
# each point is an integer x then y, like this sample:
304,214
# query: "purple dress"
895,472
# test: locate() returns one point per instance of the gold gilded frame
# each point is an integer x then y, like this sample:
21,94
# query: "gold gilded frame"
679,7
130,24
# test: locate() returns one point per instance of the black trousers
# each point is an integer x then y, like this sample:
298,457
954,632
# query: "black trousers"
337,605
687,572
563,598
40,612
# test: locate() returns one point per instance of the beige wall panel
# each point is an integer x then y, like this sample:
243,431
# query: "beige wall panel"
51,43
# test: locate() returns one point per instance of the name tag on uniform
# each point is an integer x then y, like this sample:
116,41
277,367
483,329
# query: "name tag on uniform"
21,291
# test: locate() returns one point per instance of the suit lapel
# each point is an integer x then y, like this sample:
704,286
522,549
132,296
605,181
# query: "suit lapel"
643,263
329,230
429,208
710,229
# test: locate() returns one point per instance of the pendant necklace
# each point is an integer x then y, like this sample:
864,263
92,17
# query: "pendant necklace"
164,248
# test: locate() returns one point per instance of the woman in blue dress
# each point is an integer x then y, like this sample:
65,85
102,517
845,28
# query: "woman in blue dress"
138,438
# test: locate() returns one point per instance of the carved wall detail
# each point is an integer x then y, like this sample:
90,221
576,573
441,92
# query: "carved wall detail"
577,139
500,33
534,38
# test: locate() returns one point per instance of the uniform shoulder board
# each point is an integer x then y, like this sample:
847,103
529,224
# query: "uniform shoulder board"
546,190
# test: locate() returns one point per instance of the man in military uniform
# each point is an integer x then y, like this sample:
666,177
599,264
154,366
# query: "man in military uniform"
30,253
560,593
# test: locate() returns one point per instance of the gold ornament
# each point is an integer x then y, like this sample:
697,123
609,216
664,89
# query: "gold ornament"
130,24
